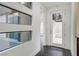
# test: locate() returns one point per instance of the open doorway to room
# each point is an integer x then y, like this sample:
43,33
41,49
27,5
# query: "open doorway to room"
56,29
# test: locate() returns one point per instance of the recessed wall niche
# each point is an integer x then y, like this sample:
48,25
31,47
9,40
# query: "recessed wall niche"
11,16
14,38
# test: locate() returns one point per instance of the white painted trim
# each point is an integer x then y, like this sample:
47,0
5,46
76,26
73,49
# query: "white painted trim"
73,31
15,47
53,44
14,27
18,6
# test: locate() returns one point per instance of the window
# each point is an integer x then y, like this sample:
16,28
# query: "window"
11,39
13,18
14,35
10,16
57,32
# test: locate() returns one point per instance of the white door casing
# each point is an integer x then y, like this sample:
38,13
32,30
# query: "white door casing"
52,30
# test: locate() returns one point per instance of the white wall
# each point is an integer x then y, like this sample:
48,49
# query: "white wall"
43,20
31,47
66,26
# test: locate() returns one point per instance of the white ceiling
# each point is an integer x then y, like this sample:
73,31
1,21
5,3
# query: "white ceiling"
54,4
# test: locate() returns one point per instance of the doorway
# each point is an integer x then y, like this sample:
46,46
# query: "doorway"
57,29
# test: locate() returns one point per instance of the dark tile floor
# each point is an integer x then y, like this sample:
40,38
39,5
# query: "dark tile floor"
54,51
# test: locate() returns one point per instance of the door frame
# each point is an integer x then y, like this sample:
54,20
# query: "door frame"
51,30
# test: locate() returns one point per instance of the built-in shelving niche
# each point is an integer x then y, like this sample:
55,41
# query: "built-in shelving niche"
12,39
12,16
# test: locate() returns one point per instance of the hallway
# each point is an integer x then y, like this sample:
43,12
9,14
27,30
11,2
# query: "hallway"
54,51
37,28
